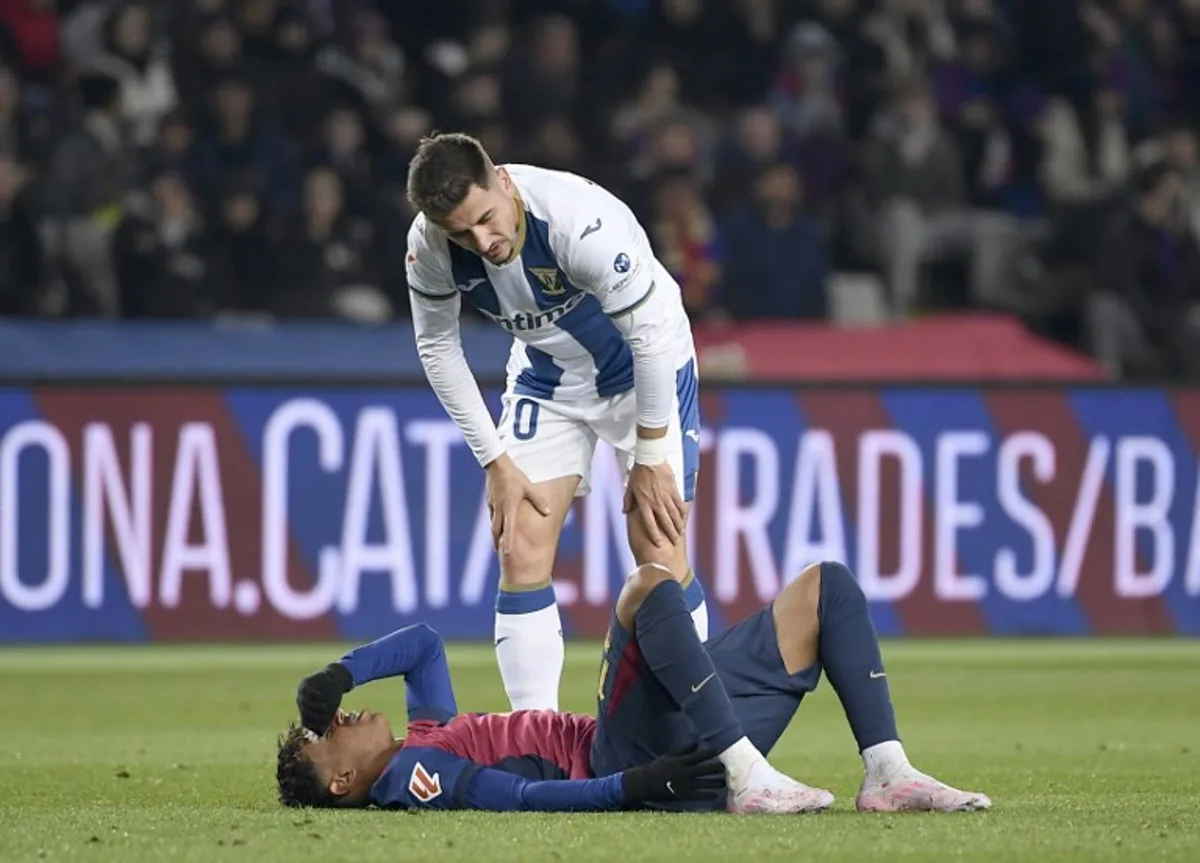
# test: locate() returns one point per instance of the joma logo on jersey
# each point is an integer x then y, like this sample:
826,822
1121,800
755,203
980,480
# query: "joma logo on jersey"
525,322
422,785
549,279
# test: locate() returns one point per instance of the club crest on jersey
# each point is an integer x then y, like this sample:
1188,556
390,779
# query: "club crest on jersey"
549,279
422,785
621,264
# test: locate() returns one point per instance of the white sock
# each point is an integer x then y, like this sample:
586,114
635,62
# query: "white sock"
884,761
700,618
529,650
739,759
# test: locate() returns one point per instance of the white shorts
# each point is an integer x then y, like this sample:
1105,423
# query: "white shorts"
550,439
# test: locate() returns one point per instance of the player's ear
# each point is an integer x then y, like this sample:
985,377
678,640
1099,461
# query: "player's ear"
341,783
504,179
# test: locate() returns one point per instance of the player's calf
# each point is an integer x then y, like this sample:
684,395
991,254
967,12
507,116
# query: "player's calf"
528,628
823,616
673,558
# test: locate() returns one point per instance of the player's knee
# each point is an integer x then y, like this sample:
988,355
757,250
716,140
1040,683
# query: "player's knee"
817,587
837,585
637,587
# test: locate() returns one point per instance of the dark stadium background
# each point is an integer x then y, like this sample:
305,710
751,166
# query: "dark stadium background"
941,262
761,142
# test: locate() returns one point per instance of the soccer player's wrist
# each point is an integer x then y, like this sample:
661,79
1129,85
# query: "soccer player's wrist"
491,457
652,451
341,674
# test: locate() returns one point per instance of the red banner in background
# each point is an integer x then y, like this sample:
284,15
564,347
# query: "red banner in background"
960,348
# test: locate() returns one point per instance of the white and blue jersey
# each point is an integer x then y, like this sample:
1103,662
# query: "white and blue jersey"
590,308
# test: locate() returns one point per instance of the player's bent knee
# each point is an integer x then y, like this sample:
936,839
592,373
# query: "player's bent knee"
837,578
637,587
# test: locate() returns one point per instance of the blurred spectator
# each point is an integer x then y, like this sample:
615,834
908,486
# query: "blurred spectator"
370,67
29,39
1087,150
22,271
244,254
554,144
25,132
173,143
775,263
254,152
685,234
207,53
118,40
756,141
89,174
244,140
1145,319
343,149
915,175
655,100
1179,147
161,254
545,79
806,96
327,266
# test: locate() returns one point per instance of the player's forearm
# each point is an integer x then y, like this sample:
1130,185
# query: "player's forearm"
413,651
649,333
654,392
498,791
450,377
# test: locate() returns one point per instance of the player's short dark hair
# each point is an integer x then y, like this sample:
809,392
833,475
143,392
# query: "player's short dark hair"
443,171
299,785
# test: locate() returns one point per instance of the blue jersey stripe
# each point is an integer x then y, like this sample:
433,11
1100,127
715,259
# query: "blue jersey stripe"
542,377
687,392
472,280
586,323
591,327
538,254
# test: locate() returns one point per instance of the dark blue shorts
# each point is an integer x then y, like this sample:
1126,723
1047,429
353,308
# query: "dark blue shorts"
637,721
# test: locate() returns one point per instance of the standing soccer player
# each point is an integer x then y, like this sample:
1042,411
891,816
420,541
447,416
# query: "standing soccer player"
602,350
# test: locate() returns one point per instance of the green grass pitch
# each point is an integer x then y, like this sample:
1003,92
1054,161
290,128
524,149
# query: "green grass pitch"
1089,749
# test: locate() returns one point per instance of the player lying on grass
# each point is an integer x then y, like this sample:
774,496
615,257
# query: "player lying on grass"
667,705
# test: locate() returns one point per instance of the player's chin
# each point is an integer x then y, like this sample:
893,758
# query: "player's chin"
385,727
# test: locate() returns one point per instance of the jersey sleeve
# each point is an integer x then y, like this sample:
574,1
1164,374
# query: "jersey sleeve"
606,252
422,777
429,778
417,654
436,305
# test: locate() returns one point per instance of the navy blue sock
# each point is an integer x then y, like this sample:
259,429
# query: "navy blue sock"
673,653
848,650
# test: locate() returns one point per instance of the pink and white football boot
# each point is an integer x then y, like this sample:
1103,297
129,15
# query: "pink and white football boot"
766,791
913,791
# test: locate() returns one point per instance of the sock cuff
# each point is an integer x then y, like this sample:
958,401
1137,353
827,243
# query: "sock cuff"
524,600
693,591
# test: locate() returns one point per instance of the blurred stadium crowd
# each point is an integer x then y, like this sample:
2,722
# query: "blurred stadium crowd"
195,158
